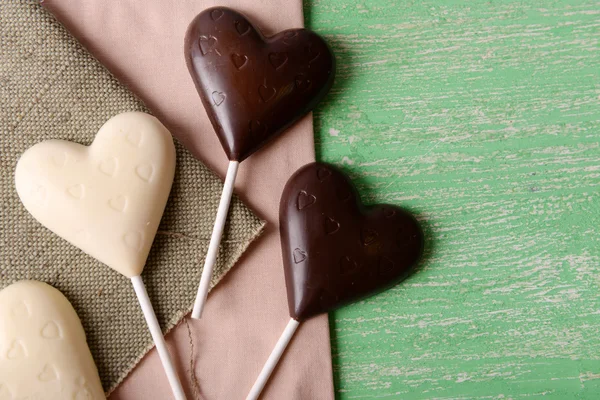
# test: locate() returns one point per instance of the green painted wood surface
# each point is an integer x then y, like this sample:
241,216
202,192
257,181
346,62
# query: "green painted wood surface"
482,117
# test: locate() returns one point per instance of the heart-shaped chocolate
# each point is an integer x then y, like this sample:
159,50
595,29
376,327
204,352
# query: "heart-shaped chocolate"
108,198
254,87
44,350
335,249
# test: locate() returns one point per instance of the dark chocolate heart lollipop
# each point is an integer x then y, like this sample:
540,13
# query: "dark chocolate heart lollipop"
335,250
254,87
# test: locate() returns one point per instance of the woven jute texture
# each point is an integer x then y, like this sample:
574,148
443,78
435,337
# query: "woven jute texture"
51,88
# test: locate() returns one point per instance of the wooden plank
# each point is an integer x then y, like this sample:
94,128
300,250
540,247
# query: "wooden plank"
483,117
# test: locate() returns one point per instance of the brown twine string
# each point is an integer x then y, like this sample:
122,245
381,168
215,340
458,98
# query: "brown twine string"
193,378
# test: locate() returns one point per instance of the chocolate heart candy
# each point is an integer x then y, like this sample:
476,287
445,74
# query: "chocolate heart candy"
335,249
254,87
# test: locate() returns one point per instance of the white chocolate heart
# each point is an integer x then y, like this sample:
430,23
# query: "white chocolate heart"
43,349
108,198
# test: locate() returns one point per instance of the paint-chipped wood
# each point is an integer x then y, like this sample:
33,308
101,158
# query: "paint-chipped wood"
483,118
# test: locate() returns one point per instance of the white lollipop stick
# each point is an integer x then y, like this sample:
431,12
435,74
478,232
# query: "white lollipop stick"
215,239
157,336
271,363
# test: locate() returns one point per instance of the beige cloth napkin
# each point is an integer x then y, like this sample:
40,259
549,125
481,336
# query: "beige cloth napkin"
51,88
141,42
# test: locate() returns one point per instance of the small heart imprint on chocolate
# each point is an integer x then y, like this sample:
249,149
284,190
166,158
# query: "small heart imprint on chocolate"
242,27
83,394
288,36
299,256
368,236
48,373
218,98
278,60
134,138
355,250
305,200
266,93
239,61
323,173
348,266
118,203
302,83
76,191
207,44
343,193
216,14
257,128
21,310
108,178
145,171
16,351
386,266
51,331
312,54
133,240
38,194
331,226
276,72
109,166
59,160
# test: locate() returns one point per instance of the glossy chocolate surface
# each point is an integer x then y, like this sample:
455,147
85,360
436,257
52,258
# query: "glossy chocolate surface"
336,250
254,87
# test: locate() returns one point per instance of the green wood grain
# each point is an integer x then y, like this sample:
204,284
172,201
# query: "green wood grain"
482,117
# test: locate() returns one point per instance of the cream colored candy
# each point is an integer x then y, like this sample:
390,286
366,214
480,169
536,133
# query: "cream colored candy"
43,350
108,198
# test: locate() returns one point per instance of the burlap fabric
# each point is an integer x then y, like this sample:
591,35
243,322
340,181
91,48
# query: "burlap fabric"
50,87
